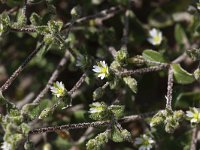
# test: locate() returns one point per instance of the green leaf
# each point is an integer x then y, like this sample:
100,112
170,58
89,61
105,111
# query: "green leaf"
194,54
98,142
9,106
5,19
116,135
42,30
21,19
197,74
180,35
33,110
151,55
35,19
99,111
131,82
117,110
114,83
187,99
182,76
49,39
25,128
55,26
98,93
121,56
45,113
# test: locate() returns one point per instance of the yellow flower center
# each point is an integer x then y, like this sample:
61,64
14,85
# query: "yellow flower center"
104,70
156,39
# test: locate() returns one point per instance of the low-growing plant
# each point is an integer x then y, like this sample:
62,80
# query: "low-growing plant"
128,75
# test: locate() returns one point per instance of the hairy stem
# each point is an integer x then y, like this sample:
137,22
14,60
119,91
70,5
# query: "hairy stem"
144,70
169,89
78,84
53,77
89,124
20,69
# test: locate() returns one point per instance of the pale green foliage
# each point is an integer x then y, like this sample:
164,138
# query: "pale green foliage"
137,60
171,119
152,55
76,12
120,135
117,110
36,19
194,54
116,135
132,83
21,19
16,130
5,23
83,61
100,111
98,93
32,111
197,74
121,56
87,39
182,76
98,142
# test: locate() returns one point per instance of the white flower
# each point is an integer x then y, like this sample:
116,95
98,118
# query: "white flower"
144,142
96,108
58,89
1,29
101,69
198,6
6,146
193,115
155,37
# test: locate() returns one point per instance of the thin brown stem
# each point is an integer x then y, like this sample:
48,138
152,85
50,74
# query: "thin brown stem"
88,124
24,29
125,30
180,58
20,69
112,51
144,70
53,77
101,14
78,84
25,10
194,139
169,89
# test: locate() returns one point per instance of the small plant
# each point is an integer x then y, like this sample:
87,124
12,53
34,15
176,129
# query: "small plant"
128,75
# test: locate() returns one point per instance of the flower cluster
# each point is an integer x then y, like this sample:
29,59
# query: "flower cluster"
144,142
101,69
155,37
58,89
193,115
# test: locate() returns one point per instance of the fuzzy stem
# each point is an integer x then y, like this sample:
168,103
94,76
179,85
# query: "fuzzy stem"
20,69
144,70
194,139
103,13
89,124
78,84
53,77
169,89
